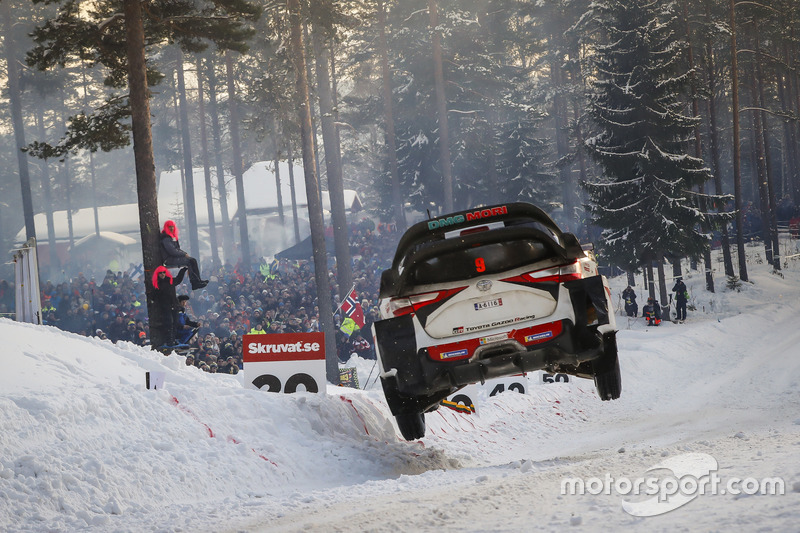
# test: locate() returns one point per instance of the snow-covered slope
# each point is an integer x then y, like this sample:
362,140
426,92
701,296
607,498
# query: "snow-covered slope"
85,446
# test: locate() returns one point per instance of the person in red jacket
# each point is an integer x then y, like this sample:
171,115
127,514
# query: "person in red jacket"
172,255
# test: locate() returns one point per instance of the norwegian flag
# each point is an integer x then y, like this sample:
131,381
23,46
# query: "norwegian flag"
351,308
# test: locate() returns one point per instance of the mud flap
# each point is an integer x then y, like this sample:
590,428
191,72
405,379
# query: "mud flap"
588,296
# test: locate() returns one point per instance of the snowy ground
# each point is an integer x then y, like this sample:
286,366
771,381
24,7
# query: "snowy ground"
85,447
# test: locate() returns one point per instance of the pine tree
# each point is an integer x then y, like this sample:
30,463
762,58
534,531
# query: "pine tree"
94,33
644,200
118,35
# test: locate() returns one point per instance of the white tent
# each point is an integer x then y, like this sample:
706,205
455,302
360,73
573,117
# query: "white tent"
116,239
122,219
261,199
260,192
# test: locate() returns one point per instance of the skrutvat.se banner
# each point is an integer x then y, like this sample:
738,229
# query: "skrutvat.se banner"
285,362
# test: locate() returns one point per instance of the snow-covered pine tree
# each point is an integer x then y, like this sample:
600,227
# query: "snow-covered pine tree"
644,200
495,151
521,166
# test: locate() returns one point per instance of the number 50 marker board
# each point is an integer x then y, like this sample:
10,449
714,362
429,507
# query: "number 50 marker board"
285,362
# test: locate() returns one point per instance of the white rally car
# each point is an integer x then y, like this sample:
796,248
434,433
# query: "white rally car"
485,293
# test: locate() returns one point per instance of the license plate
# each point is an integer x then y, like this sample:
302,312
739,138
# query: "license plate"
488,304
494,338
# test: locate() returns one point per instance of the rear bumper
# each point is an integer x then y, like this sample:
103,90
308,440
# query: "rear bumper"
420,382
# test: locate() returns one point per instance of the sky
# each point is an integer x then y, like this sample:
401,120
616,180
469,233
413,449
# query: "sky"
84,446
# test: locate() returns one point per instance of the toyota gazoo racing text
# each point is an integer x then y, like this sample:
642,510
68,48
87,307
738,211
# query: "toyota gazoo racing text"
485,293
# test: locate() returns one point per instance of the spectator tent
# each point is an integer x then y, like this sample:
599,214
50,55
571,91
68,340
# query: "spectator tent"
268,233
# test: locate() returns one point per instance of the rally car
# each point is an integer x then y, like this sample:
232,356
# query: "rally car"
484,293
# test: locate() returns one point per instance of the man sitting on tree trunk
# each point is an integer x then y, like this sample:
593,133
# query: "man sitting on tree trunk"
172,255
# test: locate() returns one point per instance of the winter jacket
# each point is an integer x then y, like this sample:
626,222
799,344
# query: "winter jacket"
164,293
681,293
170,246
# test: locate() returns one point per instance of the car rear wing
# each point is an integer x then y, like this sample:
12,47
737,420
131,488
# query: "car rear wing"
435,228
409,252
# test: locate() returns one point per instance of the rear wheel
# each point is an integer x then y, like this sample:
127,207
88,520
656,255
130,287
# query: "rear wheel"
412,425
607,378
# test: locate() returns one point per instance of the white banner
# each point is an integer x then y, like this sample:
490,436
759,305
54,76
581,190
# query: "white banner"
26,270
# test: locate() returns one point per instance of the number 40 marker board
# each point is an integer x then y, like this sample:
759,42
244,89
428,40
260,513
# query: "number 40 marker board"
285,362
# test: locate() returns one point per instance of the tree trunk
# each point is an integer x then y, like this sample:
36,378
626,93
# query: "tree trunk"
562,142
65,177
662,289
312,192
15,97
491,156
441,108
737,172
650,280
309,78
277,161
388,116
794,97
190,210
770,217
212,222
67,184
698,147
290,157
47,195
145,165
714,143
91,155
333,163
789,134
238,171
227,227
761,170
581,157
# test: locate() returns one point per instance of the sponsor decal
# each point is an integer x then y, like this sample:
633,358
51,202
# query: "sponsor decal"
468,329
494,338
486,213
444,222
538,336
475,215
456,353
488,304
283,347
288,347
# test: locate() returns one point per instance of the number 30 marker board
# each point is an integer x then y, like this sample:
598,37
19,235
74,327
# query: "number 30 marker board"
285,362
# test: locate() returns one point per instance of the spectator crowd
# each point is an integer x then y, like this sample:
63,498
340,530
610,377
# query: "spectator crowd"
271,297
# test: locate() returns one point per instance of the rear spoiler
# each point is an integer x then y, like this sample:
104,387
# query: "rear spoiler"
435,228
392,281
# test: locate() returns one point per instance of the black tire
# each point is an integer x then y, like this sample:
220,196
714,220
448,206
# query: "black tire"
412,425
607,378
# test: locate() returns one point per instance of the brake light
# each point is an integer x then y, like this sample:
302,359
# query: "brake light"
571,272
477,229
410,304
560,274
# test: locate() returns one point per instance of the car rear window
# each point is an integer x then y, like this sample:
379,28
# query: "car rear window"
477,261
